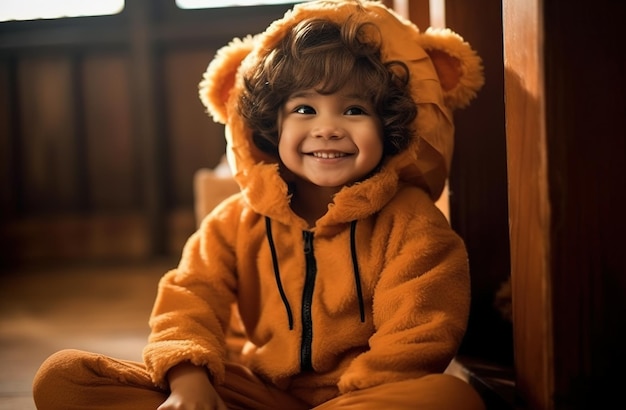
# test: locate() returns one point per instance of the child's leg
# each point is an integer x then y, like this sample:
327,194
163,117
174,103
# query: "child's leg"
73,379
244,390
432,392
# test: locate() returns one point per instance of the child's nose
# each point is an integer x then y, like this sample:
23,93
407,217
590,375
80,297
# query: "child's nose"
328,131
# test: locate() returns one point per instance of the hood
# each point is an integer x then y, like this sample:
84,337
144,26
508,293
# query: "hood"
445,74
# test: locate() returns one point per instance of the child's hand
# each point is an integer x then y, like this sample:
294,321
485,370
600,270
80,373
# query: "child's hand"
191,389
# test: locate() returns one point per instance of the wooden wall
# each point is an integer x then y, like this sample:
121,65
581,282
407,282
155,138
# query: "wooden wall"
101,130
478,183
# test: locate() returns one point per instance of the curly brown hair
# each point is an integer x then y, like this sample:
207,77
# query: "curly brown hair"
327,56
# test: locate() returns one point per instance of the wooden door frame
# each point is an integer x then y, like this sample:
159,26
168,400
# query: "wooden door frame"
529,206
566,148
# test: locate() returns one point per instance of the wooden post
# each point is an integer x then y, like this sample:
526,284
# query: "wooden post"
149,136
566,143
529,204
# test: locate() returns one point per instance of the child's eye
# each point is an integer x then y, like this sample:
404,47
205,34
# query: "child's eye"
304,109
355,111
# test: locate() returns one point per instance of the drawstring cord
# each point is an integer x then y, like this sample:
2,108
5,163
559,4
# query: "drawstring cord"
355,267
270,239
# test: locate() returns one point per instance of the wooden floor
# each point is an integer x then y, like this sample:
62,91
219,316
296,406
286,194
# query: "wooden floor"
100,309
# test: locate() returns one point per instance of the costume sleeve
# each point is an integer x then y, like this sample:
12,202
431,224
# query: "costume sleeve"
192,308
420,303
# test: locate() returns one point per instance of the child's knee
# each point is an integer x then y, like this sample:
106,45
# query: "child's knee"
51,378
451,392
431,392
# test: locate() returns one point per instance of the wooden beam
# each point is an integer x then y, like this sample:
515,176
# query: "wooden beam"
529,202
149,134
419,13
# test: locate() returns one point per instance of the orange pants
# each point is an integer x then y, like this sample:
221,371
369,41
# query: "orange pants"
73,379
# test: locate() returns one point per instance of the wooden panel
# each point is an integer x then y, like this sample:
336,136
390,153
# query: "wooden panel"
73,238
586,143
112,162
194,140
48,138
7,195
148,121
419,13
478,182
529,203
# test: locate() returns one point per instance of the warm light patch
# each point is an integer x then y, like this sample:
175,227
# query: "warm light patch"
437,13
54,9
205,4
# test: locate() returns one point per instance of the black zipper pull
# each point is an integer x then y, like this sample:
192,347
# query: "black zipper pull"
308,242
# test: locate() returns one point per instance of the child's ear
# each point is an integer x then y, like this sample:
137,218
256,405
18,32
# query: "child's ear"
219,78
458,67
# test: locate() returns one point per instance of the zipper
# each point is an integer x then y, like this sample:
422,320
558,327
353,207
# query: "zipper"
307,299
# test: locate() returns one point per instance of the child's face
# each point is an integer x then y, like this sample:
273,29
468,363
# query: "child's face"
329,140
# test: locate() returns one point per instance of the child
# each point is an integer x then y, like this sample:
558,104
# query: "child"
352,288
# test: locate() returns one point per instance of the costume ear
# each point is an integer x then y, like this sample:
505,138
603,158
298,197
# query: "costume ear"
219,78
458,67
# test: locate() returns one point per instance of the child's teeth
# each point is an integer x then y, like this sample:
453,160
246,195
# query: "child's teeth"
328,154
